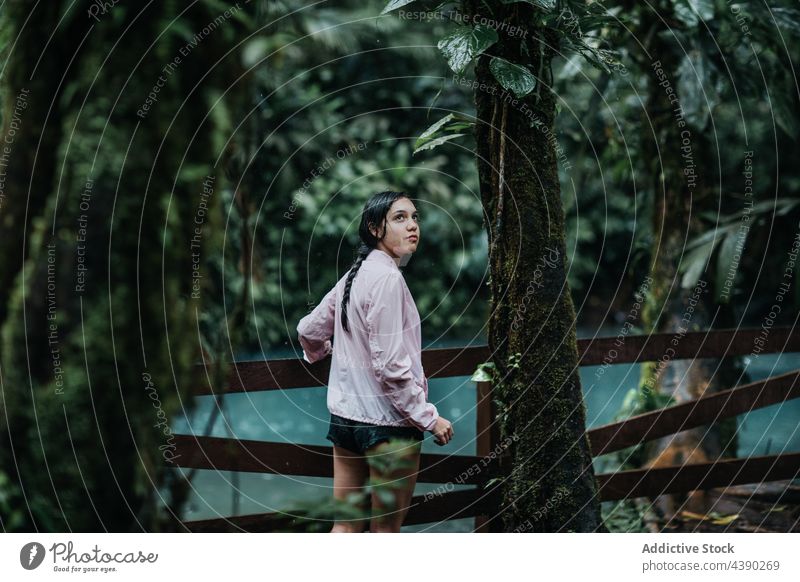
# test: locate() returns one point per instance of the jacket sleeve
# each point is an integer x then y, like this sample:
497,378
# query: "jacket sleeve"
391,361
315,330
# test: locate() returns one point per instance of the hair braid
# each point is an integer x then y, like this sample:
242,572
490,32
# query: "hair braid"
363,251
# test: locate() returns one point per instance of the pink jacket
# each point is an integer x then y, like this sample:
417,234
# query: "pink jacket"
376,371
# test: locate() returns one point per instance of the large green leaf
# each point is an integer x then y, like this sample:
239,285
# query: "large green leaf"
394,5
463,45
514,77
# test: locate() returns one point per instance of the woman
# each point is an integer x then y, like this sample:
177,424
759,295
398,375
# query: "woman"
377,389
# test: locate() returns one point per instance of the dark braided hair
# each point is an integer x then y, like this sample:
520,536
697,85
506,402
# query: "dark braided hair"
374,214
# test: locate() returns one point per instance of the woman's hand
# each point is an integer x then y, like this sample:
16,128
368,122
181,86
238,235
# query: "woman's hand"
442,431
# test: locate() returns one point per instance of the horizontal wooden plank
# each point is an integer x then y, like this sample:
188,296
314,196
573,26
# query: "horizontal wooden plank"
451,505
703,411
676,479
256,375
253,523
283,374
716,343
222,454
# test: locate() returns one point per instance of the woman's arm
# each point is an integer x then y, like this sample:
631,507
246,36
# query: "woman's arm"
315,330
391,362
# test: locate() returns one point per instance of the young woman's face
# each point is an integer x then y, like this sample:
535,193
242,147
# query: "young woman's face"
402,229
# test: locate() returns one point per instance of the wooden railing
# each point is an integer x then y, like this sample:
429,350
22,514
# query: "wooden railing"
224,454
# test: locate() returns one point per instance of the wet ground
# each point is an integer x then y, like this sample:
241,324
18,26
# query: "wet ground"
765,507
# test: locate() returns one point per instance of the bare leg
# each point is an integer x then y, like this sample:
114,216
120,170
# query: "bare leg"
350,472
389,519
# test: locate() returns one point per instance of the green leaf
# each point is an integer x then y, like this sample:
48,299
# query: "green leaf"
452,122
466,43
703,239
460,126
726,519
690,12
694,81
254,51
725,267
437,142
428,133
387,497
705,8
600,58
193,172
394,5
694,263
180,28
788,19
354,498
783,207
480,375
785,111
547,5
483,372
514,77
492,481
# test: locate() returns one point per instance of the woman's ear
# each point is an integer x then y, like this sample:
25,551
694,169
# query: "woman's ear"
374,230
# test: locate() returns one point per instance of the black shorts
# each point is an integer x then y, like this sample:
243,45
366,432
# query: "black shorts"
357,436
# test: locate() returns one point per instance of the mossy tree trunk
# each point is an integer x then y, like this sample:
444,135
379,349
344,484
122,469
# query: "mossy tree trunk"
99,331
550,484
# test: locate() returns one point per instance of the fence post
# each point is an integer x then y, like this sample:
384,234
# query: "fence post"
487,436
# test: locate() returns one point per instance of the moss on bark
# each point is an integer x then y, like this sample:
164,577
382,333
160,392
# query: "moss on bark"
550,485
100,334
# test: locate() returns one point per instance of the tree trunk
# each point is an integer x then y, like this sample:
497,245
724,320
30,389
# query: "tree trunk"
550,484
100,333
26,101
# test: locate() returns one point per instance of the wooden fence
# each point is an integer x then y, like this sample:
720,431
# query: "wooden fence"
222,454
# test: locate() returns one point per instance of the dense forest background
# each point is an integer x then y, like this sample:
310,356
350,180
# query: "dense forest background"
345,95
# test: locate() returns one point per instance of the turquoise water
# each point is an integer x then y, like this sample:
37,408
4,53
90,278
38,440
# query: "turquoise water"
301,416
